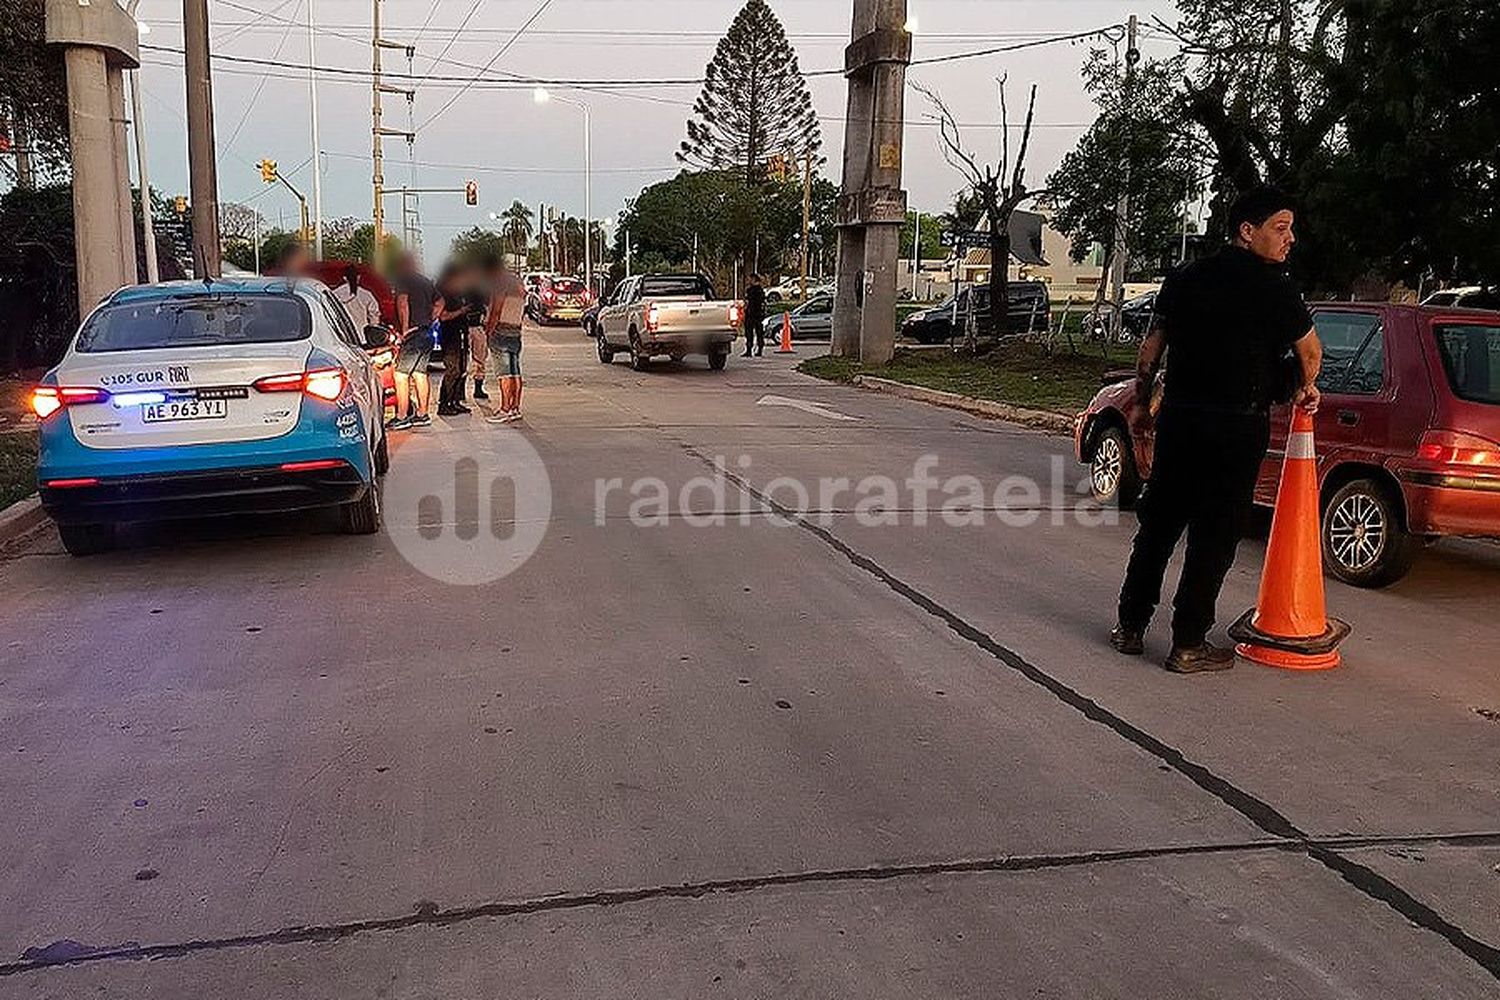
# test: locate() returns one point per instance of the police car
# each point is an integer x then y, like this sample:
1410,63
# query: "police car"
191,399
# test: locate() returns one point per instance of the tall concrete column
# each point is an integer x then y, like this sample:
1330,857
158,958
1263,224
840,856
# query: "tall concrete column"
96,217
115,78
203,172
99,40
872,206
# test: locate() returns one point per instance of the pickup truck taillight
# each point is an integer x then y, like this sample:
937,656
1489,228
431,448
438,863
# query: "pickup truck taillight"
1457,448
736,315
653,318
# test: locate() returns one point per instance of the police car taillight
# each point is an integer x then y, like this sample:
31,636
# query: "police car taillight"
325,383
48,399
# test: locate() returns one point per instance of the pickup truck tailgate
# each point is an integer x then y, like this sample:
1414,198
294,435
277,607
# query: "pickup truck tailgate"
688,316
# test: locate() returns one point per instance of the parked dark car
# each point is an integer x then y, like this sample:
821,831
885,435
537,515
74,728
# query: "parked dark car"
1136,316
1030,309
1408,435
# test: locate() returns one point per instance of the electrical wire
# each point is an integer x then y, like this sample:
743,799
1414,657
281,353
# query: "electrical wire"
540,10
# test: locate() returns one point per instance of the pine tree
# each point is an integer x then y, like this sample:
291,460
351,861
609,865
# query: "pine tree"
755,103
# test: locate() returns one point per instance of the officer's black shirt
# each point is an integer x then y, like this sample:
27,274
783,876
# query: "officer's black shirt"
1228,319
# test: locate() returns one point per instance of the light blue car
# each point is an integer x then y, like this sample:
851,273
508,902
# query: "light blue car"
191,399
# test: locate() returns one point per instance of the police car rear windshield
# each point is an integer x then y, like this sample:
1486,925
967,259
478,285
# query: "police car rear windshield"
196,321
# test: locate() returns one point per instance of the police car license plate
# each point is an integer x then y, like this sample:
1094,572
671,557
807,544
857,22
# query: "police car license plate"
185,409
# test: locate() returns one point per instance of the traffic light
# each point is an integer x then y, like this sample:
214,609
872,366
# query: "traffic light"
268,171
471,193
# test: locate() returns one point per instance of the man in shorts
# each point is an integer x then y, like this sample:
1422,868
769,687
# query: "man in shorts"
503,333
416,308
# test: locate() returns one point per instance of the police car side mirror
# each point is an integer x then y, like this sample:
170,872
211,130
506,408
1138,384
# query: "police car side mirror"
376,337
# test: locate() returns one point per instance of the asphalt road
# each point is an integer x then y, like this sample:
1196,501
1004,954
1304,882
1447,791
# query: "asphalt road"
787,755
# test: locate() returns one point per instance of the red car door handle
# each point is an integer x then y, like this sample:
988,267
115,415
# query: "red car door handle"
1348,418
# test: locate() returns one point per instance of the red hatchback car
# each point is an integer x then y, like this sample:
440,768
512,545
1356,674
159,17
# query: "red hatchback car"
1408,435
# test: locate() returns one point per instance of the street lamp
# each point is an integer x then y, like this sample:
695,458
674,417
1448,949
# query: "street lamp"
542,95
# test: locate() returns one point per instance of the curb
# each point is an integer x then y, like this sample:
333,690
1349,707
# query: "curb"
20,517
1043,420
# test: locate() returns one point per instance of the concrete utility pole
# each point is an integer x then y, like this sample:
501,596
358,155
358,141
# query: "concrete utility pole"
378,131
202,172
1122,205
807,165
143,175
872,205
317,152
100,42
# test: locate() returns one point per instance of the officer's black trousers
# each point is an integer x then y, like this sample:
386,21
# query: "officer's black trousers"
1202,483
755,333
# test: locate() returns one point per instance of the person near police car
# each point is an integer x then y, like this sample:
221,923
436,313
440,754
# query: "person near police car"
1239,338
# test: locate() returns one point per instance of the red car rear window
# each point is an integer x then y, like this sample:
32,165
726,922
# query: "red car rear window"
1471,359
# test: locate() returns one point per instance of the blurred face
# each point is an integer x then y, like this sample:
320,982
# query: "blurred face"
1271,240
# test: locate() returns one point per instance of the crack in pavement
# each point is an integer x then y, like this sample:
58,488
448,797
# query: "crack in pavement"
1256,810
430,916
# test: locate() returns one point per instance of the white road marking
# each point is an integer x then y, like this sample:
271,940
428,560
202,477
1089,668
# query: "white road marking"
817,409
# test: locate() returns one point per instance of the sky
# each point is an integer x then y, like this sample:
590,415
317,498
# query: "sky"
516,149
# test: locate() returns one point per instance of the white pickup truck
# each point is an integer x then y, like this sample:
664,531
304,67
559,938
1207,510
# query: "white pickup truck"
651,315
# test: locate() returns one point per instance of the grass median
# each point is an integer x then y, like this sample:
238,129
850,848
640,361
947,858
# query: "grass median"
1019,373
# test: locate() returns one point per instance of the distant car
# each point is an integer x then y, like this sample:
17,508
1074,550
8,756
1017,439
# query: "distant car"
1408,435
1468,297
812,320
1030,309
192,399
558,299
651,315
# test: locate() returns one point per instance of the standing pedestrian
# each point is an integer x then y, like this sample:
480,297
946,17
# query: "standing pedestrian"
503,333
755,315
454,318
487,278
416,305
1226,322
358,301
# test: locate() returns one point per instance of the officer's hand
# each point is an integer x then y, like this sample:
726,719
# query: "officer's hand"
1307,399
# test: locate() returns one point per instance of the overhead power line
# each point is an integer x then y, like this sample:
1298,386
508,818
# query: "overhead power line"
540,10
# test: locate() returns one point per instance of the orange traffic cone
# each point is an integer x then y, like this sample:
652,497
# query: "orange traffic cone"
786,334
1289,627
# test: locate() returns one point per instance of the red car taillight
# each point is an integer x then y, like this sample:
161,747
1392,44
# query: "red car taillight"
736,315
48,399
1458,448
324,383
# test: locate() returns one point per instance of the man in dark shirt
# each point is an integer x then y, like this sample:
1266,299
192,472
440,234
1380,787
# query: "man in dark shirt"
416,308
1226,321
755,315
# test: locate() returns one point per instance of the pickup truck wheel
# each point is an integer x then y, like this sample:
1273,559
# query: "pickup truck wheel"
606,356
717,360
1364,543
638,361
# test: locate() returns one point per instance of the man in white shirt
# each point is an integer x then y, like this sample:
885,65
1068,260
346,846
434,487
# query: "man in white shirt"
357,301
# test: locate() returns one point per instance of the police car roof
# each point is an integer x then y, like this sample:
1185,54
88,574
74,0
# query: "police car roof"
250,285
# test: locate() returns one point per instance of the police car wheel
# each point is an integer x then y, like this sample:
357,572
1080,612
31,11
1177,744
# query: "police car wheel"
362,517
87,539
1113,477
1364,542
383,454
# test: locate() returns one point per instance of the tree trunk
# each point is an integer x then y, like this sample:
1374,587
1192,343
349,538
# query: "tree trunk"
999,276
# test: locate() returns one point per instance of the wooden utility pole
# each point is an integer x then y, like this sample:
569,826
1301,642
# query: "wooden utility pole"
872,205
1121,257
202,169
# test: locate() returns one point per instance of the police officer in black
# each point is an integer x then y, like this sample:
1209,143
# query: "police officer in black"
1233,328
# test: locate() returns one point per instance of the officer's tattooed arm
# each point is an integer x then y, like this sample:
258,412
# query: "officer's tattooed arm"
1309,351
1148,360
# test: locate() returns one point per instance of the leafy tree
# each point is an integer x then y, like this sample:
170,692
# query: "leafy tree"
932,236
474,244
1146,130
517,228
730,221
755,103
33,92
38,275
